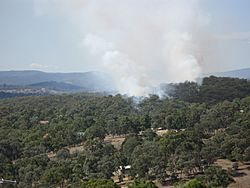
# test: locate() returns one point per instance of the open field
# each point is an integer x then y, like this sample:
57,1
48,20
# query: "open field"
116,141
76,149
242,180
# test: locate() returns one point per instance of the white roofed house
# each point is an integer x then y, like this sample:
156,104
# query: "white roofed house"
44,122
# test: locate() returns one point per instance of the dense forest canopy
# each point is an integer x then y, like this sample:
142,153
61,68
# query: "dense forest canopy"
203,122
212,89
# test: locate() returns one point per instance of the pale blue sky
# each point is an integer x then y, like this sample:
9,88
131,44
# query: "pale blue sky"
51,41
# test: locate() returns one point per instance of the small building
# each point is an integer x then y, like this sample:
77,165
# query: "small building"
128,167
44,122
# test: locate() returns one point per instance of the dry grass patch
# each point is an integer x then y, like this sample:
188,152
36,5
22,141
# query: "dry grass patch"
116,141
242,179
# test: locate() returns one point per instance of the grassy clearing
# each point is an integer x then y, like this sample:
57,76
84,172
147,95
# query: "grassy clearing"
242,179
116,141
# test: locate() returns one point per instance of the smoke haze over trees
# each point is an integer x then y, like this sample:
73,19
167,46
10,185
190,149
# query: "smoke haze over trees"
124,93
142,44
199,133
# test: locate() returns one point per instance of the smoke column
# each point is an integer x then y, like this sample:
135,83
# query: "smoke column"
143,43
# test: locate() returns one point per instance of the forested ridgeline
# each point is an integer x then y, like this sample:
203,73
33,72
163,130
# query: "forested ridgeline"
211,90
37,134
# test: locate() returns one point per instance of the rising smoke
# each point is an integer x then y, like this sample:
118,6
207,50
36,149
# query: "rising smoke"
143,43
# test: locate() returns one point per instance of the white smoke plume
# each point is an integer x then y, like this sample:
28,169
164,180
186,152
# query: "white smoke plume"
142,43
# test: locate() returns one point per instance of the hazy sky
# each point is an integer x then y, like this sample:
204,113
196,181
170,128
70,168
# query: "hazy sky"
38,34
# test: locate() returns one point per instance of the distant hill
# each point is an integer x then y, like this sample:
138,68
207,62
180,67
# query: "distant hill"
57,86
88,81
76,82
241,73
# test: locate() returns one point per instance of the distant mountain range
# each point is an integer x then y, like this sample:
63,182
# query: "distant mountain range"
240,73
58,86
37,82
88,81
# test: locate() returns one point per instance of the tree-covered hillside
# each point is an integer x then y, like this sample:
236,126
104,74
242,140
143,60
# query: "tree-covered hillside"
37,135
212,90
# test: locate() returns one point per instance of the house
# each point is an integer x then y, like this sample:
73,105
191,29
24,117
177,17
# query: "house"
44,122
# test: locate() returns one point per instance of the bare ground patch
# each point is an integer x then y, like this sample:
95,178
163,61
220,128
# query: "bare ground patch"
242,179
